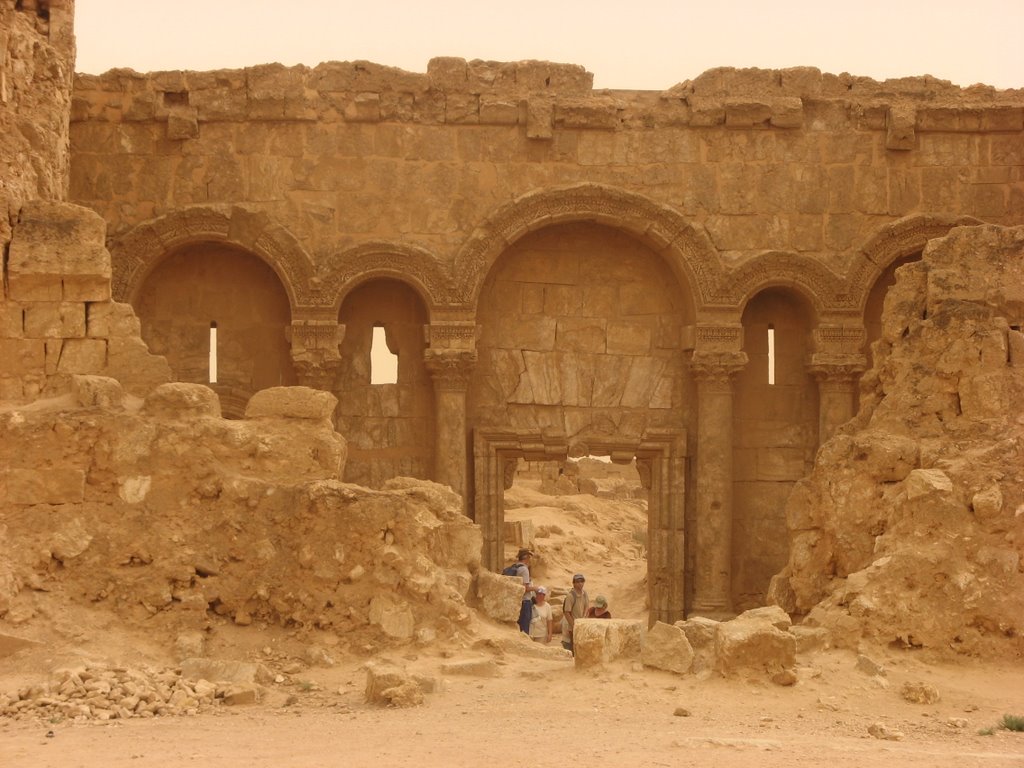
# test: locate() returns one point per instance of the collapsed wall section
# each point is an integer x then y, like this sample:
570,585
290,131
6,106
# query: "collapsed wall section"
910,529
56,316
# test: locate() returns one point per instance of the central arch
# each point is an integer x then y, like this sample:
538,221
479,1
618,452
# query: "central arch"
581,335
685,247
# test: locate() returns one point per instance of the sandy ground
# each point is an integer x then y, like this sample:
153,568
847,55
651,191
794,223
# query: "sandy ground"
541,709
537,708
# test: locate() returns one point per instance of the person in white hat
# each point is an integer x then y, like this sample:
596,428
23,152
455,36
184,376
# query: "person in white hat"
543,623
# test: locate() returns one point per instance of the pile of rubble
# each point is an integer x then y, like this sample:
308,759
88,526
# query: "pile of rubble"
910,529
91,693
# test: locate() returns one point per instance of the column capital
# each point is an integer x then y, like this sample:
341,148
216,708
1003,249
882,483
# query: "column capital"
450,368
315,349
839,369
717,367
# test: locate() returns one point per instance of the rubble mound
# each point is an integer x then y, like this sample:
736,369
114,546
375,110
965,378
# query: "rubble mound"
168,519
910,529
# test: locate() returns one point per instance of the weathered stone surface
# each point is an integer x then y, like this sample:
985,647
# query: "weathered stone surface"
58,253
180,401
291,403
753,647
921,559
599,641
220,671
501,597
700,633
665,647
391,685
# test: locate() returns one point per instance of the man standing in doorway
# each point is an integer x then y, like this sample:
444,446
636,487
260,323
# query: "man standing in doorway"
574,607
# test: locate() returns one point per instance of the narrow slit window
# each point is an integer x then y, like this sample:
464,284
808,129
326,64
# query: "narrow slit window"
213,352
383,362
771,354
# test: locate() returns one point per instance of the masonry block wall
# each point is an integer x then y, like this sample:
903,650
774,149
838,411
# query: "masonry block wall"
588,267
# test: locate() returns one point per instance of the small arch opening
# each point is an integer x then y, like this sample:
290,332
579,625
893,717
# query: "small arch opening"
383,362
771,354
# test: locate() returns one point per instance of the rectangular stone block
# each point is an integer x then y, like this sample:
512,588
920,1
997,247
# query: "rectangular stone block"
498,112
581,334
53,485
11,320
58,252
643,375
539,118
59,320
462,108
105,319
83,356
22,356
28,287
629,339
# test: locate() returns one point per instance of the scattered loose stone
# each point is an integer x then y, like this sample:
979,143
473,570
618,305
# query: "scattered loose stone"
919,693
882,731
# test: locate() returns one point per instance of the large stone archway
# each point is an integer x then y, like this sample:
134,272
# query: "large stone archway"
684,246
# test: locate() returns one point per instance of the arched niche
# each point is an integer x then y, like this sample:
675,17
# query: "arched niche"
775,435
581,331
389,427
202,284
141,249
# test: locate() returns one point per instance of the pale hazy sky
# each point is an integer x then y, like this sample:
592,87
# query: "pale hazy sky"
634,44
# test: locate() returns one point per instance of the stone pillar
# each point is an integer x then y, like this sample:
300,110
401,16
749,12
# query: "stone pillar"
450,370
316,351
837,394
837,363
713,372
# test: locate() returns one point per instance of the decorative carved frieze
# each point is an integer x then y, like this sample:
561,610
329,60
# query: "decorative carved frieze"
452,335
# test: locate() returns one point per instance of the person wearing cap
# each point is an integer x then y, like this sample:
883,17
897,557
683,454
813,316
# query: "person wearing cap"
574,607
599,610
543,622
522,565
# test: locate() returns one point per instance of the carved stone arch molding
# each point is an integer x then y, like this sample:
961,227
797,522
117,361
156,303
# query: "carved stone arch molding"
824,290
409,264
135,253
894,241
686,246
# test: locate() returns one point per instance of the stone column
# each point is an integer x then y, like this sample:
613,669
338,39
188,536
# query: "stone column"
837,394
837,363
713,372
316,351
450,370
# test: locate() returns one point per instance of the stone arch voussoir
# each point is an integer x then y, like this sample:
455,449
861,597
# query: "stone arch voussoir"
824,291
894,241
412,265
137,252
686,246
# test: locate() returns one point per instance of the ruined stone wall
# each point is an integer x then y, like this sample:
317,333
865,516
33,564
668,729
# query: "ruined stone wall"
37,53
342,153
57,319
910,529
